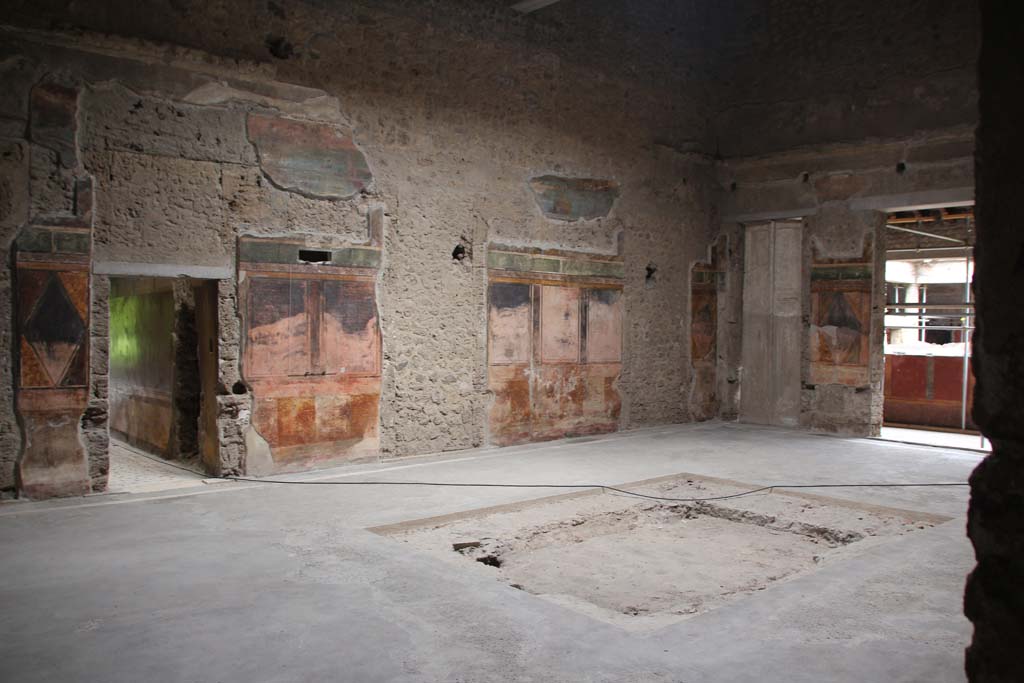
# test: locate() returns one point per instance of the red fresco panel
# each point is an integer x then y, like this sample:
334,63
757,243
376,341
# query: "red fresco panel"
278,328
314,401
349,334
317,418
571,400
909,376
76,284
604,326
906,391
703,324
842,321
364,410
602,400
333,418
296,419
924,412
948,378
558,394
265,420
560,324
510,414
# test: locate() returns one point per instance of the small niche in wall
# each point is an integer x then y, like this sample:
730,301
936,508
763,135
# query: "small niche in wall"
314,256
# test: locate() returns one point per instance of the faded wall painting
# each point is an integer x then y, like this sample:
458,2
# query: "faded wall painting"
52,284
559,324
573,199
54,314
312,357
604,326
313,159
840,330
704,343
705,282
555,349
510,322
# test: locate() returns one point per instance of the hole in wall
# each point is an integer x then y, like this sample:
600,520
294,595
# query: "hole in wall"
238,388
276,10
459,252
314,256
279,47
901,167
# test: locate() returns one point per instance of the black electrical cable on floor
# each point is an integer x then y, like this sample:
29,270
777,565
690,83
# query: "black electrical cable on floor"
603,487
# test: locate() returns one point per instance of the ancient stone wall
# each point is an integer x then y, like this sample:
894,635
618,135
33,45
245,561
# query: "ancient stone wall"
14,202
995,523
597,128
836,113
842,194
190,152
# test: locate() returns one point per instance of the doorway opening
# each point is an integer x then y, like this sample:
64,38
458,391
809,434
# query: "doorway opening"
162,390
929,323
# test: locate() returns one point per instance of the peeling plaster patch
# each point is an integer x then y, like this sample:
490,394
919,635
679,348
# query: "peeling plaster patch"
312,159
572,199
309,104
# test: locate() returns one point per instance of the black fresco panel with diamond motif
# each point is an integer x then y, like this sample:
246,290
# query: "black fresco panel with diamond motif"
56,332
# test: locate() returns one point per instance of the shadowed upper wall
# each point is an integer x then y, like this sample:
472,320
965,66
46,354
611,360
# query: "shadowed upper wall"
794,73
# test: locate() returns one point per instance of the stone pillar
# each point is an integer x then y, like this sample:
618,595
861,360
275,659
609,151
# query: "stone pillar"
730,323
845,301
185,389
234,401
994,598
95,421
53,301
14,202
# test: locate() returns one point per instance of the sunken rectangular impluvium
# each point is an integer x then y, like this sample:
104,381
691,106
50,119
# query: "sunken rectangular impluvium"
644,564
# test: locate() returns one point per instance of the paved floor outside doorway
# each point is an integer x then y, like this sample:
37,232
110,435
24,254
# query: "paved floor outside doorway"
132,471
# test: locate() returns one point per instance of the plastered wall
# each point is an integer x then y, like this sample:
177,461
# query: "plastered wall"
461,123
841,194
181,173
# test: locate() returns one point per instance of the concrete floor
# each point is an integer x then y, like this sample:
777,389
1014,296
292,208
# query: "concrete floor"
263,582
